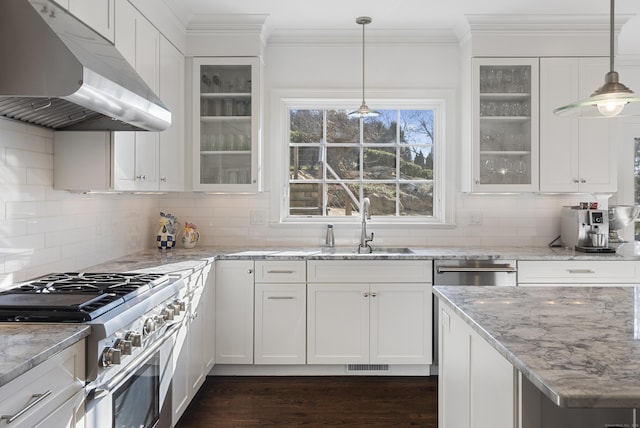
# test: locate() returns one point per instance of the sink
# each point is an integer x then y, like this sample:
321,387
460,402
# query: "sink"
353,251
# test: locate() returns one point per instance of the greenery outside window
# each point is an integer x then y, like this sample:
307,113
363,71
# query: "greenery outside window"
394,159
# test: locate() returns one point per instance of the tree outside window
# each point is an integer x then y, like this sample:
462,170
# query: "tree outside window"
336,160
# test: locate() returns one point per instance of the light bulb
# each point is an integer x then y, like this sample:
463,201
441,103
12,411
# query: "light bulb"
611,108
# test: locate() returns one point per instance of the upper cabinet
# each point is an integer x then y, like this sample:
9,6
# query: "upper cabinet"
226,124
576,154
504,124
97,14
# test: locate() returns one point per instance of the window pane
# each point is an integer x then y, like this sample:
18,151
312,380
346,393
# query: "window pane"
305,163
342,199
306,126
636,193
305,199
416,199
341,128
379,163
382,197
416,126
416,162
381,129
343,163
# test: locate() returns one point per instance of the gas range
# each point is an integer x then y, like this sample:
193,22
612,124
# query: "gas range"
128,312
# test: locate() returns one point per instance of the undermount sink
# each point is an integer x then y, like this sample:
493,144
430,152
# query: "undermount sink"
364,251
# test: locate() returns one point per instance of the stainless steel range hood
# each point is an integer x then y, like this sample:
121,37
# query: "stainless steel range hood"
58,73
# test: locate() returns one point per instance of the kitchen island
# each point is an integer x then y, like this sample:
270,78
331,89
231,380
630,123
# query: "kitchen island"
541,356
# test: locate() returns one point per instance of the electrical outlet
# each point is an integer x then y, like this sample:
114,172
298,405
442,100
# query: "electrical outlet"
475,218
258,217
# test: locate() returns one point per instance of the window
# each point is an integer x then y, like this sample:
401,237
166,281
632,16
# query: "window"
636,183
334,161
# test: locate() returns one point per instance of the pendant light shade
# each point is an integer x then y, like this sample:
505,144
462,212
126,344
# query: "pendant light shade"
610,99
364,110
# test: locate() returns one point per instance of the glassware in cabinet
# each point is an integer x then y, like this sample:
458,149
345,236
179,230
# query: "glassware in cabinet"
226,124
505,124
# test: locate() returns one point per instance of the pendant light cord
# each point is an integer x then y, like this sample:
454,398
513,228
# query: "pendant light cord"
363,25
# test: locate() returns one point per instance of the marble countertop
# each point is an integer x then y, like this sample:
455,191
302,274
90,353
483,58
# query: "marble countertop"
579,345
24,346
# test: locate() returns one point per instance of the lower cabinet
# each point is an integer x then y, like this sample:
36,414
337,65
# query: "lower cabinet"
194,343
578,272
384,320
234,312
56,386
477,387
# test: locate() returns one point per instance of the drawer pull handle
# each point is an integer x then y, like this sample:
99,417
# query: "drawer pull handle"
280,271
280,297
503,268
29,406
580,271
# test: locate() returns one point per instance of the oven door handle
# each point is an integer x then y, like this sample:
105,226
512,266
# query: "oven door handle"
104,389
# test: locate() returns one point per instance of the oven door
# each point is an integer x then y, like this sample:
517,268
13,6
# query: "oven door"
140,395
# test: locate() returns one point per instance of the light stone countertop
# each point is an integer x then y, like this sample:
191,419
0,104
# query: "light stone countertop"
579,345
24,346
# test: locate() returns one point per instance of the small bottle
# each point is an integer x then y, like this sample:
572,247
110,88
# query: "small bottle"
329,240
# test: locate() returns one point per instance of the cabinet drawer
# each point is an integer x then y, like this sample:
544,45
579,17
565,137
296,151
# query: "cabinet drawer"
60,378
281,271
578,271
370,271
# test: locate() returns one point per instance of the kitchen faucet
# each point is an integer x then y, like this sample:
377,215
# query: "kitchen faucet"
366,214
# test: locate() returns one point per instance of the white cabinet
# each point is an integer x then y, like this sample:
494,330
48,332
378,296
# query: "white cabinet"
57,385
234,312
172,141
136,153
504,124
97,14
280,312
129,161
578,272
194,343
369,312
226,124
477,387
576,154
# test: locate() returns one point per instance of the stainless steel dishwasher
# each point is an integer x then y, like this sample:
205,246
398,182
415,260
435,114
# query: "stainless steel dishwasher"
469,273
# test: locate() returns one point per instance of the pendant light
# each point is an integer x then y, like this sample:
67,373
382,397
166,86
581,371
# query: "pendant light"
364,110
610,99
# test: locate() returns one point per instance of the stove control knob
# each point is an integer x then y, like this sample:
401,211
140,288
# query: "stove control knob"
149,326
181,304
110,357
176,308
167,313
134,338
159,320
123,345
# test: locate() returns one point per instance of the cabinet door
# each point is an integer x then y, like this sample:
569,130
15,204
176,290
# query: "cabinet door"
171,141
576,154
400,324
180,397
135,157
226,124
505,124
337,323
97,14
280,324
234,312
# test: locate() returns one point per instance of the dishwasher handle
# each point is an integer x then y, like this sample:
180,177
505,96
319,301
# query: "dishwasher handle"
506,268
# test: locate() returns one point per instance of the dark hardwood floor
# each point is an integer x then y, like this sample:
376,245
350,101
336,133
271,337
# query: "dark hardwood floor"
351,401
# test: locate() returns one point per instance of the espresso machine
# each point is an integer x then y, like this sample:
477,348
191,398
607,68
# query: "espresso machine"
585,230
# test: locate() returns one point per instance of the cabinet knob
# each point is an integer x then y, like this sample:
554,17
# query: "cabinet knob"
250,271
141,177
366,294
582,180
576,181
163,179
374,294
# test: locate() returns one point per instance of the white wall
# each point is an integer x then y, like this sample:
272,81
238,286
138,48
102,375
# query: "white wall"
43,230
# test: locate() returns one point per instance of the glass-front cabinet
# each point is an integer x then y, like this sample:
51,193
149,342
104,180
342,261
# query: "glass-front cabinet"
505,124
226,124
